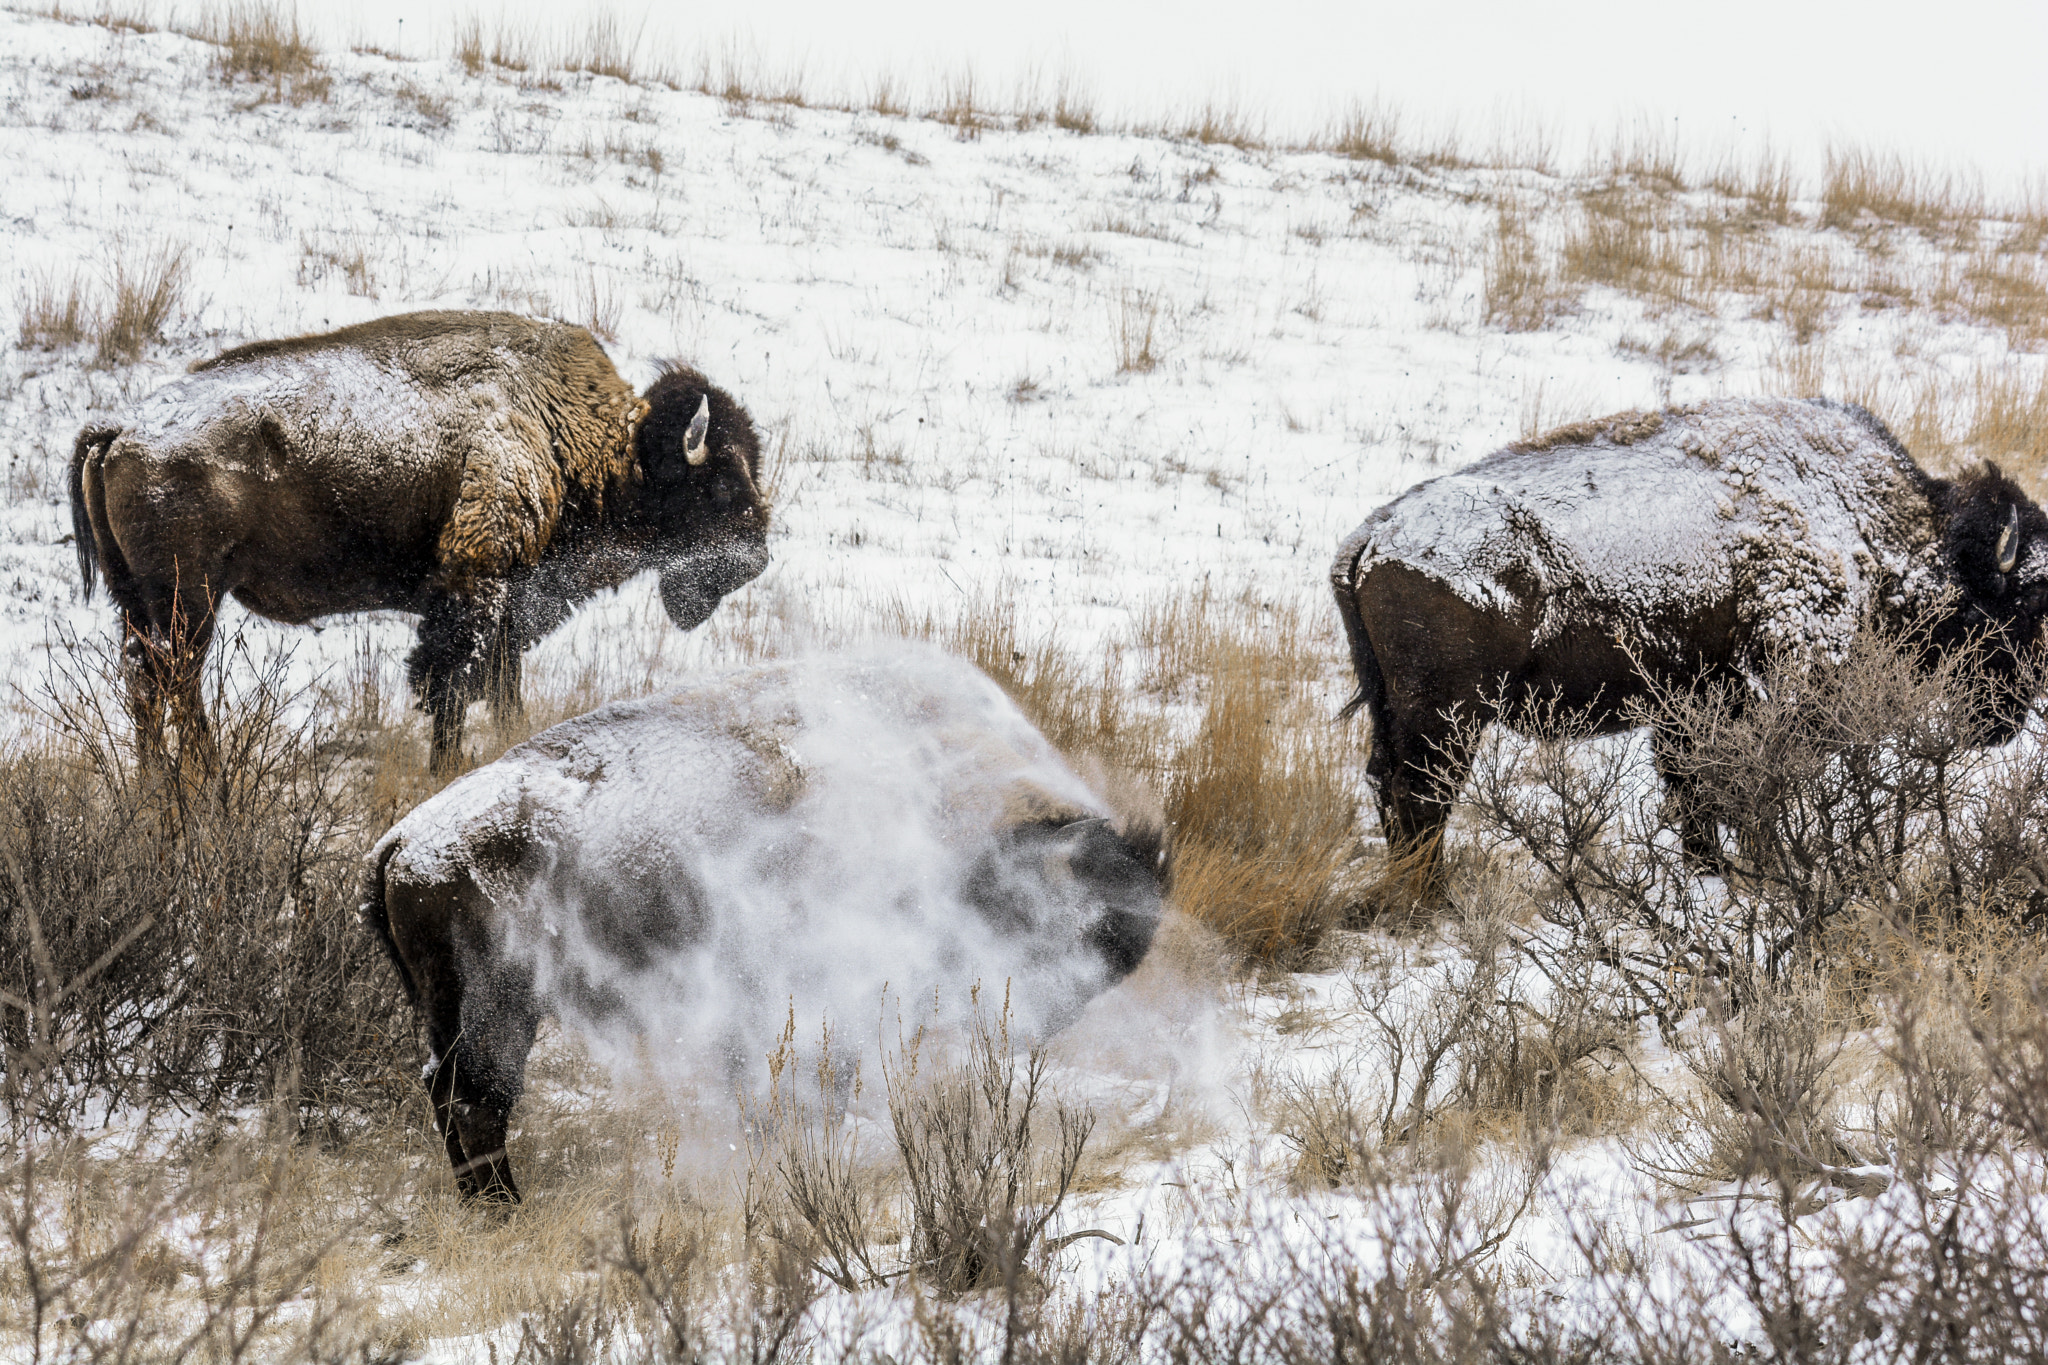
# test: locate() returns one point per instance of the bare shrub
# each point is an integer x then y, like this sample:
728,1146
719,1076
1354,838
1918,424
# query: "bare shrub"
111,1256
54,312
145,293
1846,788
194,946
1766,1100
831,1195
981,1185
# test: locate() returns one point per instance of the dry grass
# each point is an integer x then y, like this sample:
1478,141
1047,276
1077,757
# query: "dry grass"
1799,292
1647,157
145,291
1221,123
1073,106
1764,182
1522,293
343,255
1860,187
960,106
604,48
261,42
1626,240
54,312
1139,346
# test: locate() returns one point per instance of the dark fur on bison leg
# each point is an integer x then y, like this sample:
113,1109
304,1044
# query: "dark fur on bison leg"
443,671
504,667
474,1086
1415,773
1699,833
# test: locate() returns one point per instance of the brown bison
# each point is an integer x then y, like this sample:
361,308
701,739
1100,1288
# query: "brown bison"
1574,572
687,872
484,470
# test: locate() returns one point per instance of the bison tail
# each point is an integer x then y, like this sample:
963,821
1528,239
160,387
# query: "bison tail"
87,448
1372,689
376,913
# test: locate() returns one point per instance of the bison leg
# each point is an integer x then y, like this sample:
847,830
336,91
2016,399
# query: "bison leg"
446,670
163,659
1699,833
1416,767
477,1075
507,710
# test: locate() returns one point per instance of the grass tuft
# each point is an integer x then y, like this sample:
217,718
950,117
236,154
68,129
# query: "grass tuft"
146,291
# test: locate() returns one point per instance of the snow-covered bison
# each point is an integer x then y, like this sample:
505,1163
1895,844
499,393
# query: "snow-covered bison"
485,470
1575,571
684,874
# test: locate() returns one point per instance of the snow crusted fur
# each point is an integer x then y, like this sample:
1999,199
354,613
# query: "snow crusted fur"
1805,513
1577,569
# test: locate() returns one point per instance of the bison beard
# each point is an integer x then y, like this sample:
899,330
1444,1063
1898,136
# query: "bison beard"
688,870
1569,576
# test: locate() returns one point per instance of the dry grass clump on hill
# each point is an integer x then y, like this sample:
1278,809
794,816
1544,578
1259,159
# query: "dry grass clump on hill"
144,289
261,42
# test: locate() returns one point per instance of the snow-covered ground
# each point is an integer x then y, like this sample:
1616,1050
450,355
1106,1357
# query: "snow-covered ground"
1079,372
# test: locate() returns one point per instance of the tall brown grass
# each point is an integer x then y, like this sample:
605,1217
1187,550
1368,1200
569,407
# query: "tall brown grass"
1860,185
54,312
262,42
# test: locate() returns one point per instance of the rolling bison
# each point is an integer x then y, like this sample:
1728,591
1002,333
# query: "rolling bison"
1575,571
795,838
484,470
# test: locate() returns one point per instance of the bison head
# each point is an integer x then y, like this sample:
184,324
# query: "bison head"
1099,884
1996,548
700,506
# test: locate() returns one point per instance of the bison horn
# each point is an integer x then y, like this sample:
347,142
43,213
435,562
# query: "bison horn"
700,426
2009,541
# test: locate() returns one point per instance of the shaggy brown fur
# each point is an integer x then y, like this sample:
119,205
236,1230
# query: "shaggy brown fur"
482,469
1622,429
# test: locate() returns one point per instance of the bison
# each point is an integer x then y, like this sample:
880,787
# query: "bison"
484,470
1576,572
689,870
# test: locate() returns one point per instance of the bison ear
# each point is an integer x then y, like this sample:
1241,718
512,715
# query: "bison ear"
694,449
2009,540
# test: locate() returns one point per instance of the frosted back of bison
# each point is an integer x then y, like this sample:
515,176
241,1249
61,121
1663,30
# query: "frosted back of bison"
677,873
